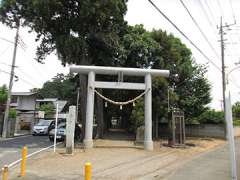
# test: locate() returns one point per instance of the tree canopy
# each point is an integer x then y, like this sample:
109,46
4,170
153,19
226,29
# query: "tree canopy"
62,87
78,30
95,33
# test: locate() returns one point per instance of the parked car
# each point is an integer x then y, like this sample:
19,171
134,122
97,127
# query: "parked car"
42,127
61,132
52,125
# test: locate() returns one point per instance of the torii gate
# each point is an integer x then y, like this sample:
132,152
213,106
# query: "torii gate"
92,84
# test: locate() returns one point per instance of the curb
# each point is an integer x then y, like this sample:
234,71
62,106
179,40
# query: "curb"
15,137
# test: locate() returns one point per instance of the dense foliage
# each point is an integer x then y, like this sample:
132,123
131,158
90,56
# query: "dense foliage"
236,110
62,87
78,30
236,113
211,117
94,32
48,109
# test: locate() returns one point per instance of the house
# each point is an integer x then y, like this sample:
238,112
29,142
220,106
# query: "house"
25,105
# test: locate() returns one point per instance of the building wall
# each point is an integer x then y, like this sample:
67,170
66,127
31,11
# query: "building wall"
26,103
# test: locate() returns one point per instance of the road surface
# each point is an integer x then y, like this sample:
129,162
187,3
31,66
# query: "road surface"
10,149
209,166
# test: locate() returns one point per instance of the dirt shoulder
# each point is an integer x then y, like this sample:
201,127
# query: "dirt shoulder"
110,161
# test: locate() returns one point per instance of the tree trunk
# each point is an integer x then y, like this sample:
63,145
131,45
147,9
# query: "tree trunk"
99,116
83,102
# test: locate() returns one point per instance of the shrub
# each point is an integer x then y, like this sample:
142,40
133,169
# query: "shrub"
12,113
3,94
48,109
211,117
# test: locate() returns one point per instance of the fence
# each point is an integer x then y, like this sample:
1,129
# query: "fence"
198,130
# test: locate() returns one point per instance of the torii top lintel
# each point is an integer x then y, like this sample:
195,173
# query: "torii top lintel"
106,70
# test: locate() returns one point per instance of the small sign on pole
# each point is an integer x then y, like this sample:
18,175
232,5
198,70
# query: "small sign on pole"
55,132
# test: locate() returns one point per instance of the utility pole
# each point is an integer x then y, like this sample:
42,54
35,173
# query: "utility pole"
222,33
223,65
228,106
5,125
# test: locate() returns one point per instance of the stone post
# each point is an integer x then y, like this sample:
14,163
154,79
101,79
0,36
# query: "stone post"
70,129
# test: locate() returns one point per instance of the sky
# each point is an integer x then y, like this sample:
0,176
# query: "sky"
207,14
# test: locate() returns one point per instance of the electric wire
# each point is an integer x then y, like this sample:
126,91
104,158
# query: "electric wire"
233,14
220,8
199,28
181,32
28,76
206,15
4,39
210,11
4,51
8,73
176,27
17,78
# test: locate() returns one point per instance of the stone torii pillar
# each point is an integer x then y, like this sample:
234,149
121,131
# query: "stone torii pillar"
146,86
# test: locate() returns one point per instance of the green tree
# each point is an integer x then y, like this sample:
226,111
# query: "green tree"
211,117
236,110
3,94
3,97
62,87
81,31
191,89
48,109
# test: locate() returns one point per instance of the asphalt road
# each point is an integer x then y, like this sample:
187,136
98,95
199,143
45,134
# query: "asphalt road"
209,166
10,149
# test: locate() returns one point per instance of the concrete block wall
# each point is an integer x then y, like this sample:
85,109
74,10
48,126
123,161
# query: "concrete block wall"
206,130
198,130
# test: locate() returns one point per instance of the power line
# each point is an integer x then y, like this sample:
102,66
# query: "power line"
4,39
8,73
22,73
220,8
28,82
206,15
199,28
5,64
176,27
233,14
27,75
20,42
4,51
210,11
17,78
